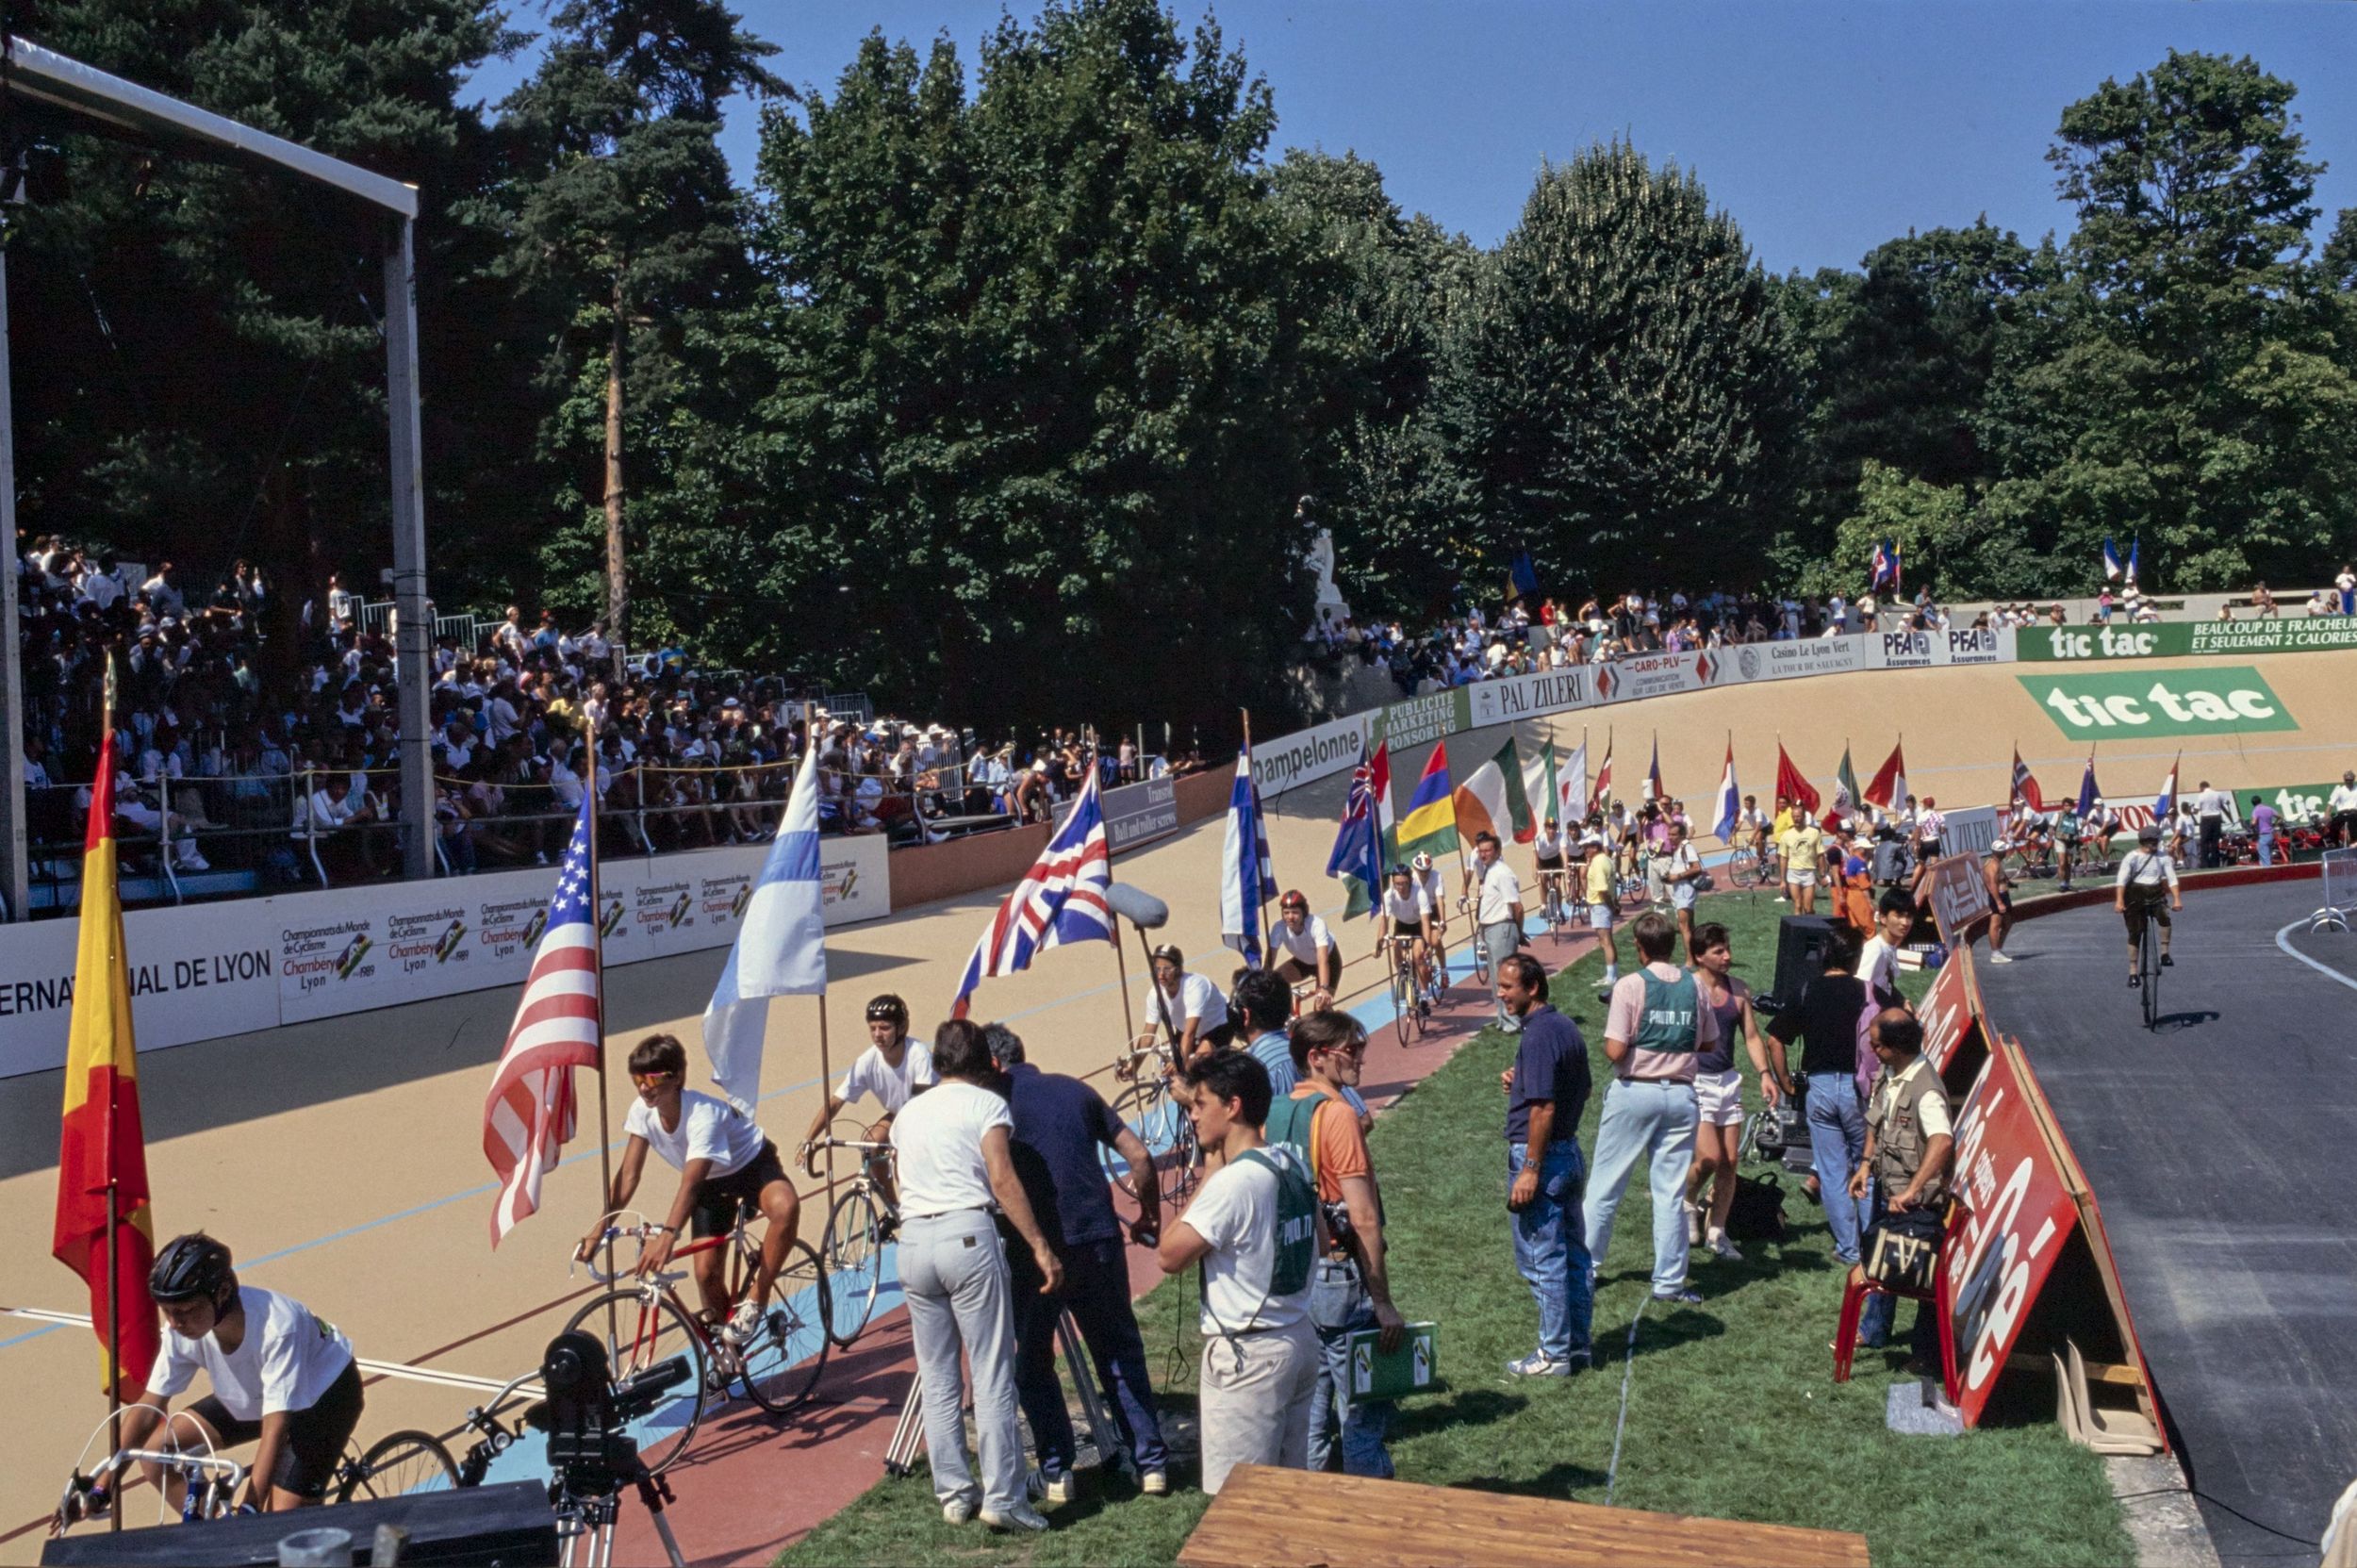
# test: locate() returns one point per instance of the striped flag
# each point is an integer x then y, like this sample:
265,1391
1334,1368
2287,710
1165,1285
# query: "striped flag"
1430,823
1060,899
781,946
2112,568
1571,785
1246,879
1538,789
1845,790
528,1112
2025,790
1653,772
1491,801
100,1144
1730,800
1602,797
2166,801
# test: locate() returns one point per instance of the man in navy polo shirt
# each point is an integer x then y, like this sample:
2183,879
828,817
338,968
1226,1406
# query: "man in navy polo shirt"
1060,1126
1546,1092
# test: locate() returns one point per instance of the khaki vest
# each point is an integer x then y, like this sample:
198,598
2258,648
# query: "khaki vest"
1896,1119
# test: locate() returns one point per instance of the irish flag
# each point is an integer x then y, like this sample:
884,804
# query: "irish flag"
1430,821
1493,799
102,1146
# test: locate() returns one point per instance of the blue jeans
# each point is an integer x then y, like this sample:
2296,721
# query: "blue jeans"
1551,1250
1836,1142
1338,1304
1097,1294
1641,1120
1881,1311
2266,848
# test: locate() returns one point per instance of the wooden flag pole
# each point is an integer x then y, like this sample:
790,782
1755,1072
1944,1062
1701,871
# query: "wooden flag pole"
597,938
826,1060
114,1305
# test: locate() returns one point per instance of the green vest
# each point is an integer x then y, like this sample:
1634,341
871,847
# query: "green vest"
1666,1023
1293,1123
1297,1222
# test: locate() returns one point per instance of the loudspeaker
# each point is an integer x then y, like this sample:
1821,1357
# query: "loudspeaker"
1801,944
511,1522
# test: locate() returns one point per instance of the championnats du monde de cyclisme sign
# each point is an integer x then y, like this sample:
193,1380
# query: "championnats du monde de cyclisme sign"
199,972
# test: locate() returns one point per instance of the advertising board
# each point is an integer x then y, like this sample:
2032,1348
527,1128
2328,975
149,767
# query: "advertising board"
1959,897
1778,661
1144,812
1299,758
2005,1235
1422,719
2221,700
1503,701
204,971
2181,638
1643,675
1946,1014
1927,650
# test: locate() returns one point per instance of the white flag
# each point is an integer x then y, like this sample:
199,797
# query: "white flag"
781,949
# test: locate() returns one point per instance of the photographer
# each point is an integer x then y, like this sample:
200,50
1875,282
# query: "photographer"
1910,1135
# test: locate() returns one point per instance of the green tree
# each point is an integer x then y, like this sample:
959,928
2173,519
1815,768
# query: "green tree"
1040,377
1623,397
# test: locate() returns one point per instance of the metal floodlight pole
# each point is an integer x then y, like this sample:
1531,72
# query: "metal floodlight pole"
414,644
15,878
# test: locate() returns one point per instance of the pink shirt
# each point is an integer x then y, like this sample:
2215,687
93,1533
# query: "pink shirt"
1623,1021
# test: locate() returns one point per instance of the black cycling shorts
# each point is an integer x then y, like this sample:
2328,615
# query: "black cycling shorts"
2145,904
717,1200
316,1436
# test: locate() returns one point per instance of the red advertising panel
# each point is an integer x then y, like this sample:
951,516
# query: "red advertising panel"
2014,1215
1946,1014
1959,897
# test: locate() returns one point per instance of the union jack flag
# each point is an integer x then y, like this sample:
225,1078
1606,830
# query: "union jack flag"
1061,899
530,1111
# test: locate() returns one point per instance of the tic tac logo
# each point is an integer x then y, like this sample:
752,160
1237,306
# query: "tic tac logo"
2101,643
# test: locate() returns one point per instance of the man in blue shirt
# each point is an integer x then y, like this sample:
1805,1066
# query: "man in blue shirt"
1546,1092
1265,1003
1061,1126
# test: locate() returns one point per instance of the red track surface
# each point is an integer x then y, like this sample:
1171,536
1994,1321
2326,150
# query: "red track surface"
752,1487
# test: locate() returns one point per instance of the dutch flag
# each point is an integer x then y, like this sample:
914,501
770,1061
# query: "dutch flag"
1730,799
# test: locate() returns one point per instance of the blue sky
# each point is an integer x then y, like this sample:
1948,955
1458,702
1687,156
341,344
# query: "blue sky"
1824,128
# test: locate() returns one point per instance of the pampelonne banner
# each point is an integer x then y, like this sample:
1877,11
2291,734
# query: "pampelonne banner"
202,973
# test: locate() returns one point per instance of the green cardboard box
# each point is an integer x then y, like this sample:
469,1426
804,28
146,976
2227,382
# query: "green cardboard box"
1412,1368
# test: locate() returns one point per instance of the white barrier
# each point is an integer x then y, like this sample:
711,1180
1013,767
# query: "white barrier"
203,971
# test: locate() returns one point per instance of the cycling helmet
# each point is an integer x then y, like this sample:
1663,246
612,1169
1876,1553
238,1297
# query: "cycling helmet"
191,1268
889,1009
1167,950
1294,898
1401,871
1423,862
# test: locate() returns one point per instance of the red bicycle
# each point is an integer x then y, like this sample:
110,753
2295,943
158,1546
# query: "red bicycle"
643,1323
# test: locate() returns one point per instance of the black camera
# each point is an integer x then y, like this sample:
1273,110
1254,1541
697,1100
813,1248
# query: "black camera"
588,1414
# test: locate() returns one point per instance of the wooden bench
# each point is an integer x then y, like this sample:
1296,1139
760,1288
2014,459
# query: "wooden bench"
1271,1518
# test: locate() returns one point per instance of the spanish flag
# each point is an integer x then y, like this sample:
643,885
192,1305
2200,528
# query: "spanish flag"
102,1146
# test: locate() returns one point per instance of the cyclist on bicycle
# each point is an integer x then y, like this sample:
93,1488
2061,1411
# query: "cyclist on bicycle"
1428,880
1189,1007
1303,948
2068,831
2147,890
892,1069
724,1160
281,1378
1547,852
1408,912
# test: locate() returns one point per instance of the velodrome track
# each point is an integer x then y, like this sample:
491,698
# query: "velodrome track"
341,1159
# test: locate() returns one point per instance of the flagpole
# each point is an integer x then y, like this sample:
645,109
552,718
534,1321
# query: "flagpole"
1121,964
114,1216
1252,797
597,938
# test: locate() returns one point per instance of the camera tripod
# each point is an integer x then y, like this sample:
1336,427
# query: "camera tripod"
592,1519
1113,1449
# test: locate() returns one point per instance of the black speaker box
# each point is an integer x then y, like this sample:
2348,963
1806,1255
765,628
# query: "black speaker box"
1801,944
509,1524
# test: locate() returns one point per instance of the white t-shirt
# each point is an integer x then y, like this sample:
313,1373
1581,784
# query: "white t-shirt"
872,1077
1878,965
1500,889
1548,848
708,1129
1305,944
284,1364
1414,906
1236,1212
2343,798
939,1139
2143,868
1199,998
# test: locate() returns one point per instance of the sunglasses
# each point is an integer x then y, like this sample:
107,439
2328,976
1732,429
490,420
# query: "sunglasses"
647,1081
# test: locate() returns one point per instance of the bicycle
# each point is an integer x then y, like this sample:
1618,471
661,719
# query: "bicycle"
862,1222
207,1483
643,1323
1554,906
415,1461
1408,1007
1480,944
1150,1108
2148,970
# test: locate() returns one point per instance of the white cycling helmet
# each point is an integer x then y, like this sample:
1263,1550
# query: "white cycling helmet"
1422,862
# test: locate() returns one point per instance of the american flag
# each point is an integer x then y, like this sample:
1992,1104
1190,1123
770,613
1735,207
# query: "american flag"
528,1112
1062,898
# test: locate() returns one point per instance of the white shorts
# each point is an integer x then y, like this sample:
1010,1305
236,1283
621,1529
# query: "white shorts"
1718,1098
1682,895
1802,876
1600,917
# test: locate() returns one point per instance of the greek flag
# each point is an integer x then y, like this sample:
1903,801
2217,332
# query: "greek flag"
1247,880
780,947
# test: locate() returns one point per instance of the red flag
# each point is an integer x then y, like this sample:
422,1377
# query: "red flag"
1888,788
101,1145
1603,777
2025,787
1791,786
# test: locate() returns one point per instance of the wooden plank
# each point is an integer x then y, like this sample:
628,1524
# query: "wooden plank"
2097,1372
1269,1518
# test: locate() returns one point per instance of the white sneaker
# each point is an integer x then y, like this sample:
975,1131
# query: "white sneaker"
1023,1516
744,1323
191,862
1055,1490
1155,1483
1998,958
958,1511
1722,1248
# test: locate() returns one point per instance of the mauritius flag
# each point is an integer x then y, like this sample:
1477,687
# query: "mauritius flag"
102,1146
1429,823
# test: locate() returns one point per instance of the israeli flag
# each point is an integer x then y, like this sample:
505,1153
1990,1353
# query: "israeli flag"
2111,562
780,947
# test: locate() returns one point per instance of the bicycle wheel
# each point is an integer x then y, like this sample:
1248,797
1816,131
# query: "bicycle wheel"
2151,967
1480,957
1184,1171
789,1351
855,1261
1403,998
398,1466
641,1332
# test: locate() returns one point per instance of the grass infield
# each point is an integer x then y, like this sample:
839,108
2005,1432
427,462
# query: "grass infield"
1732,1408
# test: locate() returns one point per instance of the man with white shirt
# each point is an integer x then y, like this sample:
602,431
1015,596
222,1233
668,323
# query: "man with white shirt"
1189,1009
1300,947
1497,895
2214,808
2341,810
1878,961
